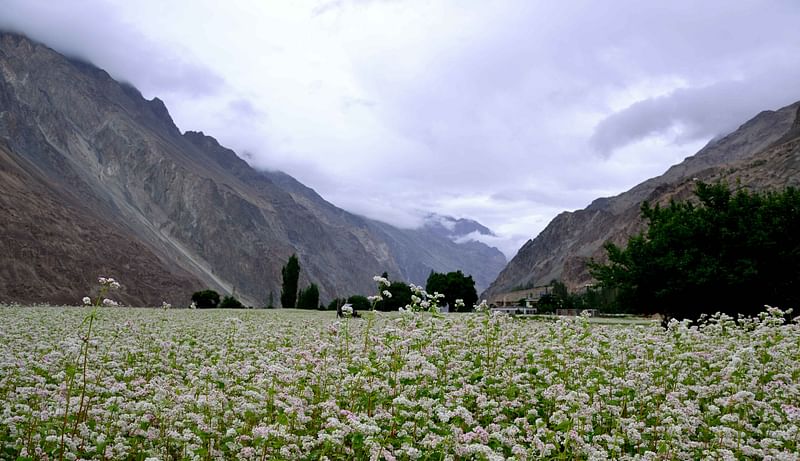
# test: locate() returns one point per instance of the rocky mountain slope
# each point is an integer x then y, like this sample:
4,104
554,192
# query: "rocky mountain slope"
99,181
761,154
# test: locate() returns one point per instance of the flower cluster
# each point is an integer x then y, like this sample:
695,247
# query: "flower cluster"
422,301
106,284
270,384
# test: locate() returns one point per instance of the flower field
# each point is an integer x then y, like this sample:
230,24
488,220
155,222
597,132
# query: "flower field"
191,384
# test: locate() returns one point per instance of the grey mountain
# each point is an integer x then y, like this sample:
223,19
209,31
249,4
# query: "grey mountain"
761,154
99,181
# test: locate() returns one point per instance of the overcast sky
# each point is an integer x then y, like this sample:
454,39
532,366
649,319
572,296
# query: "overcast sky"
507,112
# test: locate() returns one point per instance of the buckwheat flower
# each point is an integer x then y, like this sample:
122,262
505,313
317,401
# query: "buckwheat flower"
102,280
165,305
110,303
87,301
459,303
374,298
347,310
381,280
387,293
113,284
193,305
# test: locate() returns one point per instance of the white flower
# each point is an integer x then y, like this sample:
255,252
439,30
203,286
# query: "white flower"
165,305
382,281
193,305
374,299
87,301
110,303
102,280
347,310
387,293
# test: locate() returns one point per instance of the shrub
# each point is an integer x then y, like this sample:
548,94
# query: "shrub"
206,299
229,302
308,298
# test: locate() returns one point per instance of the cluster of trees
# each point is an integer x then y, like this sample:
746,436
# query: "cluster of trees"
558,296
209,299
728,251
291,298
453,285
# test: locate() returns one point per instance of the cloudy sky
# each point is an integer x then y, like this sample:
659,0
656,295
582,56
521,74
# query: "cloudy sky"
507,112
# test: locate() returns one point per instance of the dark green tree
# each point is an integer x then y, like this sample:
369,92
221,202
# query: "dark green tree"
308,298
206,299
291,275
229,302
730,252
453,285
359,303
400,297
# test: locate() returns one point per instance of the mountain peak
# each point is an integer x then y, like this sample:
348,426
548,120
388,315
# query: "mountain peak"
454,228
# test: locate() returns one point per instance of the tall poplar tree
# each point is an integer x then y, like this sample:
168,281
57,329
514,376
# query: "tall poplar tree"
291,275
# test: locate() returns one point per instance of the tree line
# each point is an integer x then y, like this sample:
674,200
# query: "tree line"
458,290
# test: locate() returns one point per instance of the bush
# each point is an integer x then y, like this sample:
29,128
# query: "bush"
401,297
206,299
229,302
308,298
359,303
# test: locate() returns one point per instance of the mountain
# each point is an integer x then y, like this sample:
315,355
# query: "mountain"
442,241
97,180
764,153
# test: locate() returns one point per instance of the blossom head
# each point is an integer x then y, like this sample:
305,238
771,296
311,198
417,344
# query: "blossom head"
482,307
87,301
347,310
382,281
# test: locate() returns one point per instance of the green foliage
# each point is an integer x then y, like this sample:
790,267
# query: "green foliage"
206,299
229,302
291,275
308,297
453,285
335,304
557,297
400,297
731,252
359,303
